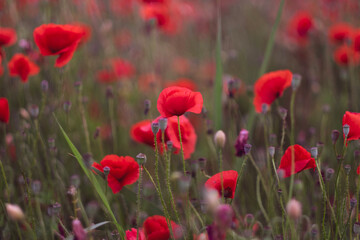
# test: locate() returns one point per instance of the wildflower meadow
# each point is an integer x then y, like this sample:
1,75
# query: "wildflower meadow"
179,119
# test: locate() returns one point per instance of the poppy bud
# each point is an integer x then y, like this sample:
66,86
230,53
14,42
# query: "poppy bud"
356,228
36,187
147,105
329,174
97,133
51,142
296,80
314,152
247,148
141,159
202,163
169,145
155,128
347,168
249,219
271,151
109,92
44,85
184,184
314,231
353,202
14,212
212,198
75,180
24,114
346,130
294,209
220,139
78,230
282,112
163,123
106,171
67,106
34,111
264,108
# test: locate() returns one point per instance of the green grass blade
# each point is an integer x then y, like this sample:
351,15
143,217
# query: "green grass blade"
93,181
218,77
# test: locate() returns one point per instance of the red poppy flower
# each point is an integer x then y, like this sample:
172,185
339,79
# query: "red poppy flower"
299,27
7,37
356,40
142,133
163,16
132,234
229,183
148,82
303,160
353,120
156,228
183,82
106,76
21,66
62,40
4,110
175,101
1,67
340,32
345,55
122,68
270,86
123,171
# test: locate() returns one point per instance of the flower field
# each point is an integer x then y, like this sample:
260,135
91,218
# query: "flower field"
175,119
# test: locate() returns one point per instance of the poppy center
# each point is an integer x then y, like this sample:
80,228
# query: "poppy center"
227,192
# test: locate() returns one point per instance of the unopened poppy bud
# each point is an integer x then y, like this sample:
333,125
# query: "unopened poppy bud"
51,142
24,114
109,92
147,105
141,159
282,112
75,180
14,212
212,198
34,110
353,202
36,187
347,168
44,85
78,230
272,151
314,152
334,136
247,148
67,106
77,85
346,130
155,128
296,80
294,209
169,145
264,108
272,139
356,228
329,174
106,171
202,163
163,123
184,184
220,139
97,133
249,219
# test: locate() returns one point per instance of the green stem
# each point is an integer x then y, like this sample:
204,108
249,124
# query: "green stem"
139,203
181,145
84,121
218,76
113,124
292,142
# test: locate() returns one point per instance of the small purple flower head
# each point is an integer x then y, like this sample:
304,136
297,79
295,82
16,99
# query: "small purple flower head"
224,216
240,142
78,230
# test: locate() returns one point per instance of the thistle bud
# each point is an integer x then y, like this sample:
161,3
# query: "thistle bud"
296,80
353,202
220,139
294,209
67,106
36,187
314,152
34,110
141,159
163,123
155,128
106,171
347,168
14,212
264,108
249,219
247,148
346,130
109,92
169,145
147,105
44,85
329,174
272,151
184,184
282,112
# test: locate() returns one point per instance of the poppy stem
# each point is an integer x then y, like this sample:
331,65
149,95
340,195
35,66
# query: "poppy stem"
139,197
5,181
168,220
239,177
221,173
292,142
259,174
113,124
84,122
168,183
181,146
258,197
